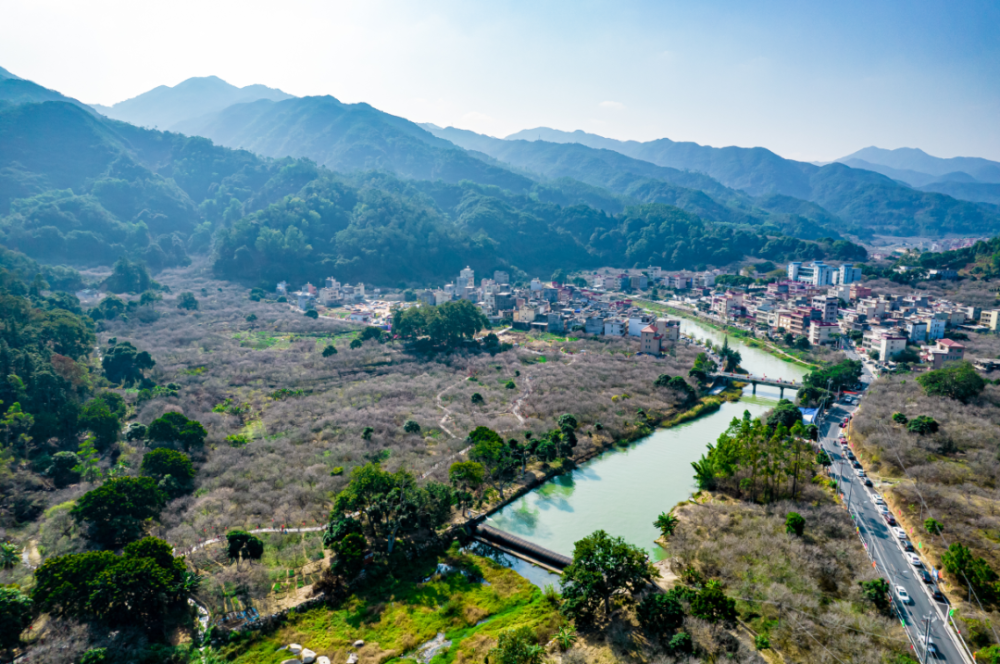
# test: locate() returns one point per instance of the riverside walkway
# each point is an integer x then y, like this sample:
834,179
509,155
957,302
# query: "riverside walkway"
780,383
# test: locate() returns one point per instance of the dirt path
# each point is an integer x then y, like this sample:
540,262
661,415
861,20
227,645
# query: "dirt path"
447,412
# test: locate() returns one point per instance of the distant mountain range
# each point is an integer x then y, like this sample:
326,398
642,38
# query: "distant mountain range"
16,90
914,166
164,107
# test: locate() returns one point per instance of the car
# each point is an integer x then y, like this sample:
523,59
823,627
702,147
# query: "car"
868,481
939,596
907,545
856,464
899,533
843,425
924,576
850,455
890,519
861,473
903,596
879,500
931,647
913,559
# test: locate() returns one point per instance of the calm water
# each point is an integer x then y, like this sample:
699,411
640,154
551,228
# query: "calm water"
623,490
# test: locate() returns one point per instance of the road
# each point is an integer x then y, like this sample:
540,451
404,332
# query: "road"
887,552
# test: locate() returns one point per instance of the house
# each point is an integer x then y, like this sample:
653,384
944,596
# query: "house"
990,319
890,346
821,332
935,326
657,336
858,292
501,278
945,350
614,327
594,325
636,323
827,306
916,330
358,316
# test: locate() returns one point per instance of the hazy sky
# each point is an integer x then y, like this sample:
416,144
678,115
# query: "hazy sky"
808,81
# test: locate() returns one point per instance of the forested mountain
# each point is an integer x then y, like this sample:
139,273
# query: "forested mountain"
868,202
912,178
916,160
16,90
979,192
347,137
164,107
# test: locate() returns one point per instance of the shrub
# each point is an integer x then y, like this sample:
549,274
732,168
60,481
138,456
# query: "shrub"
356,343
680,643
933,526
660,614
517,646
761,642
924,424
411,426
477,399
338,470
899,418
367,432
329,350
312,313
666,522
795,524
959,382
187,301
510,385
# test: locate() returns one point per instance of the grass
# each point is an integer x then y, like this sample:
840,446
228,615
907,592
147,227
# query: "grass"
395,617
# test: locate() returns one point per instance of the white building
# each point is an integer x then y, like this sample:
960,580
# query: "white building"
536,285
614,327
816,273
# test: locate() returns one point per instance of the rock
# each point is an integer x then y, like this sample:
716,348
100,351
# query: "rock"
359,644
295,648
308,656
352,659
322,659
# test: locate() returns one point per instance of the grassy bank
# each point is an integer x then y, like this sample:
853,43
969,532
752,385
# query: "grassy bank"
396,618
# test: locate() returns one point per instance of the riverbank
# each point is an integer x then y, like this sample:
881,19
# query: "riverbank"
736,332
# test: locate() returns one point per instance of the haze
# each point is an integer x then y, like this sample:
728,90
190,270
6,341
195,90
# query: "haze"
810,83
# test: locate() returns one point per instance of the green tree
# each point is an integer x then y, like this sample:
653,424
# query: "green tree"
171,469
602,567
477,399
468,478
15,616
558,277
959,381
251,319
923,425
933,526
495,456
367,432
125,364
680,643
350,555
517,646
16,424
711,604
444,325
128,277
241,545
97,417
411,426
330,350
312,313
660,614
88,466
666,523
187,301
975,571
117,510
730,357
149,299
355,344
795,524
338,528
899,418
876,591
62,471
174,427
785,414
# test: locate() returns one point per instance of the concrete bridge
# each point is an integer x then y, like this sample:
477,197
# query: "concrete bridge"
757,380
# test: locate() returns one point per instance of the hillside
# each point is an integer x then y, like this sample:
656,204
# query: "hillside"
17,90
164,107
978,192
869,203
914,159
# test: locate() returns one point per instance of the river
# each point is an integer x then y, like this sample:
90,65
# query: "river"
623,490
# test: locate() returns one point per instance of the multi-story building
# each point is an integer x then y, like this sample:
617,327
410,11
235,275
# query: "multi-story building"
816,273
890,345
858,292
945,350
466,278
821,332
615,327
828,306
501,278
990,318
656,336
916,331
847,274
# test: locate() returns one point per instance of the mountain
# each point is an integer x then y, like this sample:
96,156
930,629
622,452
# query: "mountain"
164,107
980,192
17,90
346,138
914,159
869,202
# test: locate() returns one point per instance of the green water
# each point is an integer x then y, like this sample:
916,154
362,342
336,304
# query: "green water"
623,490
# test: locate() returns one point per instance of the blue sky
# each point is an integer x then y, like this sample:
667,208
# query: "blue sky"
809,80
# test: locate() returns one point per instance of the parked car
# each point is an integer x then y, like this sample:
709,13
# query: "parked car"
879,500
907,545
868,481
890,519
924,576
939,596
899,533
903,596
913,559
882,509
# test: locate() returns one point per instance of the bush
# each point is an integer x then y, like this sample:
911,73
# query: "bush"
960,382
312,313
338,470
510,385
681,643
174,427
899,418
187,301
660,614
922,425
477,399
329,350
795,524
356,343
933,526
411,426
761,642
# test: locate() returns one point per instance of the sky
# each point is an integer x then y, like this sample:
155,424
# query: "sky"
809,80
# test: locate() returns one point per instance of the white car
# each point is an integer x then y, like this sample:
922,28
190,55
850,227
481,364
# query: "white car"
903,596
879,500
899,533
882,509
913,559
861,472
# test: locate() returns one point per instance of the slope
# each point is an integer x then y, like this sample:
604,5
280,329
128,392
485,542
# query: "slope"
16,90
347,137
164,106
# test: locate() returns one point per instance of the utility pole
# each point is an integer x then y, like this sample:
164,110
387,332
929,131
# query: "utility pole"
927,631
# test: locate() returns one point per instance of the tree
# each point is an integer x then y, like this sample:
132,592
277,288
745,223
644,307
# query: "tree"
411,426
256,294
933,526
366,433
558,277
876,591
338,528
517,646
444,325
330,350
795,524
785,414
602,567
730,357
959,381
149,299
841,376
16,424
9,556
373,333
251,319
312,313
899,418
496,458
923,425
128,277
173,427
666,522
975,571
116,511
98,418
241,545
88,466
15,616
62,471
350,555
711,604
477,399
123,363
187,301
467,477
355,344
170,468
660,614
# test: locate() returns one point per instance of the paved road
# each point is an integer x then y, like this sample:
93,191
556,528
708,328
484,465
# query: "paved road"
885,548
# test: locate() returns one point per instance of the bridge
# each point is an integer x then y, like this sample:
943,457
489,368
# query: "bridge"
757,380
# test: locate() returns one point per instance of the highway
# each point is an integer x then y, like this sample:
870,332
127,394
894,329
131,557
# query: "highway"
886,550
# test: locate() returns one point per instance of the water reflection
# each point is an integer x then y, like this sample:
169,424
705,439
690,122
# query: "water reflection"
537,576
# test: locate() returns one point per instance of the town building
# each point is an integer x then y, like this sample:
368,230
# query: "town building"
658,335
821,332
945,350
